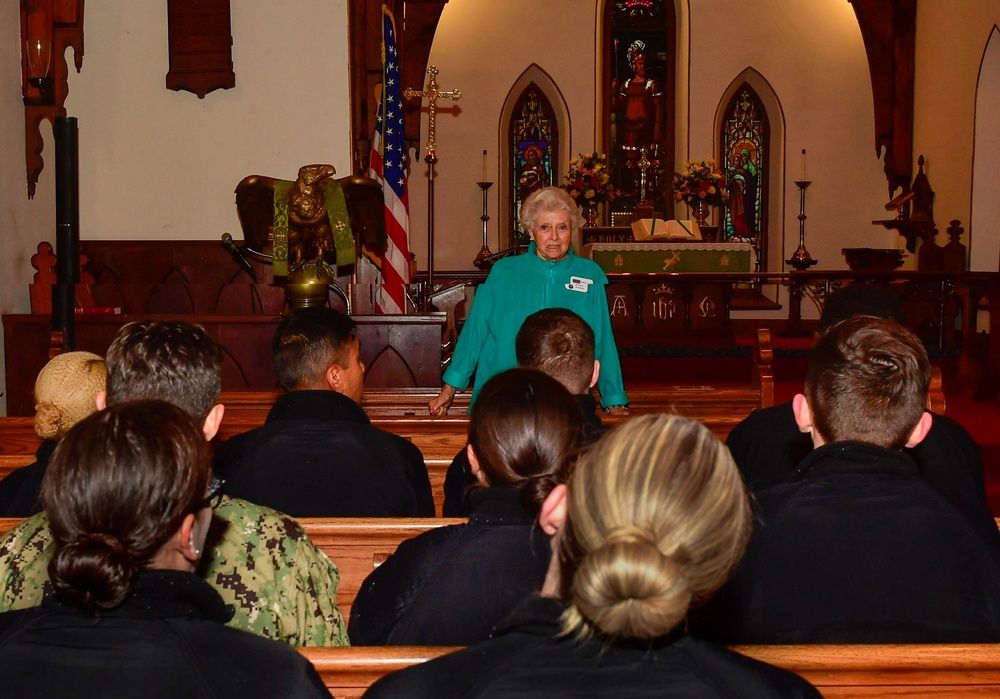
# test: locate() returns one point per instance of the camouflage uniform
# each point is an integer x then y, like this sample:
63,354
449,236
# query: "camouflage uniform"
260,561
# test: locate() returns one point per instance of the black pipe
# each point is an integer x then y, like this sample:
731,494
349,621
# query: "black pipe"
67,227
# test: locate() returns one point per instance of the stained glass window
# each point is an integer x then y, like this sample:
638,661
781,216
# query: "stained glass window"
638,97
745,140
534,140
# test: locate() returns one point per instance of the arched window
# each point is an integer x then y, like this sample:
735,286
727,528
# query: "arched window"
534,144
639,76
745,145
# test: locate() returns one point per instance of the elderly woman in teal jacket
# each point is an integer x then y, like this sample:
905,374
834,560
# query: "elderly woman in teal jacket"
548,276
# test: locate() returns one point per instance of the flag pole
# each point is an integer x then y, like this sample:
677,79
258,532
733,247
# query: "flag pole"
430,159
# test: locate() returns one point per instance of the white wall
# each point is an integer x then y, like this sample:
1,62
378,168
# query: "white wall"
951,40
155,163
811,54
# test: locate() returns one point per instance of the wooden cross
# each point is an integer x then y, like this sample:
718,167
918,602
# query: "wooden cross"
432,93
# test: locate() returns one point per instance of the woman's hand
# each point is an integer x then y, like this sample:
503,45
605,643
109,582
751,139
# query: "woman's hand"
440,405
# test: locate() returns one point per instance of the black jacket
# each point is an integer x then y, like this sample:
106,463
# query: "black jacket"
167,640
19,490
526,658
459,479
857,548
767,446
317,455
452,585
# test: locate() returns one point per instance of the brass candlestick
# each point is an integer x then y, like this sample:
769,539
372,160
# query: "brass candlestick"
484,252
801,259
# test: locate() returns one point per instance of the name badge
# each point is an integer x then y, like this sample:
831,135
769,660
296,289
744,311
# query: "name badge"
581,284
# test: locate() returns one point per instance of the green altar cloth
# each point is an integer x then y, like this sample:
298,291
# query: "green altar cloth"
671,257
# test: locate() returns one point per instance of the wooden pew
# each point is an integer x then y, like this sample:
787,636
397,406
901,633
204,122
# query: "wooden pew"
355,545
855,671
358,545
348,672
842,671
12,462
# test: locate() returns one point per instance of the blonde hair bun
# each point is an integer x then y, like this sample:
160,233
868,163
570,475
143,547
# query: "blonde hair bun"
65,391
656,519
628,588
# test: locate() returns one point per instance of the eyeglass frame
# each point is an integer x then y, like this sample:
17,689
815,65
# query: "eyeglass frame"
216,489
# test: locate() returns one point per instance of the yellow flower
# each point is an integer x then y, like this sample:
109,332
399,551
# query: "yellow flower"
597,168
712,190
590,194
574,161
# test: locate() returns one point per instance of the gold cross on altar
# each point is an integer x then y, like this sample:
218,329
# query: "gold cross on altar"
432,93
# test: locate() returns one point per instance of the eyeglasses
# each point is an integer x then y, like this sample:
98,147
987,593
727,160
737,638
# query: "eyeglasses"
214,497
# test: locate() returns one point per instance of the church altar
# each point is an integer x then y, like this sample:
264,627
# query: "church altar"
671,256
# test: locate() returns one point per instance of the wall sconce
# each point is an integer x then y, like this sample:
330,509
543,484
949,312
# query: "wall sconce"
47,28
37,52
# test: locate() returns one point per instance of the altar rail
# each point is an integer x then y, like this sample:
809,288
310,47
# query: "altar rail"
941,307
924,671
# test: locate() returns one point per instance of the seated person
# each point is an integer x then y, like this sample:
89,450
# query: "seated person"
560,343
317,454
768,445
259,561
451,585
65,391
856,547
126,494
653,520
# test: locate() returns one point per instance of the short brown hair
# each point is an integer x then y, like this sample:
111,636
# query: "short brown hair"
867,381
560,343
167,360
525,429
119,485
656,519
307,341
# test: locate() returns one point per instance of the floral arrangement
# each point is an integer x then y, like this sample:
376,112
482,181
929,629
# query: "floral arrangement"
700,181
588,181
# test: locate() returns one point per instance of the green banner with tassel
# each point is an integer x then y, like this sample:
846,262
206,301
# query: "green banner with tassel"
340,222
282,188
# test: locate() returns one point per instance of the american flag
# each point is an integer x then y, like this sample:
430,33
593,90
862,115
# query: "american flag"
387,166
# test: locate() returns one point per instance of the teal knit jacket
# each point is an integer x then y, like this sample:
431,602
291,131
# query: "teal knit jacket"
516,288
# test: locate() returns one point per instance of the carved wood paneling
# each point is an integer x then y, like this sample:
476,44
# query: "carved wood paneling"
888,28
200,45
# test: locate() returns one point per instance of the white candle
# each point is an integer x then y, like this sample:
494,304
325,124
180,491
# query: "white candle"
803,165
484,166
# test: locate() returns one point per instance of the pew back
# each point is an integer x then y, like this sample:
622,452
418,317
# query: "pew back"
359,545
355,545
842,671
